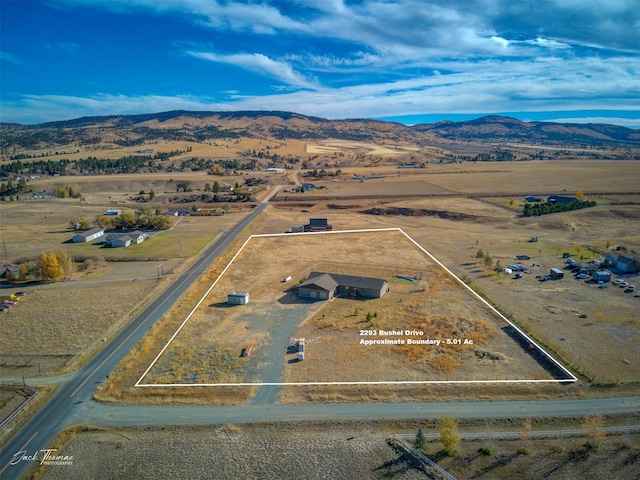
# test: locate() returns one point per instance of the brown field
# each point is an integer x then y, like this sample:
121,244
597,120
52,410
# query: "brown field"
207,348
347,449
452,228
516,178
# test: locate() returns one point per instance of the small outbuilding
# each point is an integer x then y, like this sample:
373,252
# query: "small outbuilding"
238,298
556,274
602,276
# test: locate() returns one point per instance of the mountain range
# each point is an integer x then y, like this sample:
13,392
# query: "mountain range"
129,130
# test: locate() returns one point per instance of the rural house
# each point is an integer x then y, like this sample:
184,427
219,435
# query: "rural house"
88,235
626,262
124,239
325,286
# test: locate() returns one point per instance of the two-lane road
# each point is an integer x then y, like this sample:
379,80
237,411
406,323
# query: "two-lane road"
65,407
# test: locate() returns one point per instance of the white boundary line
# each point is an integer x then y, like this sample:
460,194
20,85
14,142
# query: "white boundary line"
572,378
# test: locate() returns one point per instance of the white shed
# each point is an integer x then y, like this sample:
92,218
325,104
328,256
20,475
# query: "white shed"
238,298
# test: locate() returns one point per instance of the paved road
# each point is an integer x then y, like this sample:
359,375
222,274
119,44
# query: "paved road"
65,408
99,414
73,405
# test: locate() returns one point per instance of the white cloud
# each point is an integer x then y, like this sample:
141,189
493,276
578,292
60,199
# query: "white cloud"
261,64
7,57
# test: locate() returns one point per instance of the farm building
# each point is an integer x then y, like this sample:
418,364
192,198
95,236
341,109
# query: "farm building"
556,273
112,213
602,276
561,200
318,225
308,186
88,235
628,263
238,298
533,199
325,286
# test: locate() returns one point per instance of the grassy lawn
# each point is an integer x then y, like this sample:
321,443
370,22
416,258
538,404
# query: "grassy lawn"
169,244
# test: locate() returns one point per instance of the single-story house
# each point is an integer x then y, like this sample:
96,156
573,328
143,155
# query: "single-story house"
533,199
88,235
325,286
627,262
10,271
125,239
308,186
119,241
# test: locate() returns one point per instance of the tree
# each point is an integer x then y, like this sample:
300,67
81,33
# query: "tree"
49,266
152,195
480,254
525,436
216,187
488,261
420,442
65,262
449,436
592,425
207,187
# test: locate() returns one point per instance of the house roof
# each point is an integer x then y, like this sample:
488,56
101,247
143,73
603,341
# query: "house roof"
88,233
323,281
329,281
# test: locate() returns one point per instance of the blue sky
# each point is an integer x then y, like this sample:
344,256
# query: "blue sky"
405,60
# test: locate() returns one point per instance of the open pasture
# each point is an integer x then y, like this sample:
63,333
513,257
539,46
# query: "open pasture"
461,339
486,178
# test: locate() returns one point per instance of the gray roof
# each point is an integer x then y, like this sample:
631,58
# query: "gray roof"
324,281
329,281
88,233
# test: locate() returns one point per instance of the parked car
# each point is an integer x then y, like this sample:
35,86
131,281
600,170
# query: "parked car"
604,285
523,257
617,281
518,275
637,294
623,285
583,276
630,288
20,294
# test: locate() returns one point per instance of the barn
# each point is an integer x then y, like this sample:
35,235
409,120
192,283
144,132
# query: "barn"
325,286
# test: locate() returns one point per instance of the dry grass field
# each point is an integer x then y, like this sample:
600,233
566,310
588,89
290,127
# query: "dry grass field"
445,220
207,349
315,450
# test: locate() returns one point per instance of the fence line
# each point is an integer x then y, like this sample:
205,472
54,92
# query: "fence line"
424,458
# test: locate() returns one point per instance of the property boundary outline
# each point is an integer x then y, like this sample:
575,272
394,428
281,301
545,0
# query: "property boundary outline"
571,376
